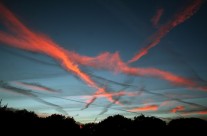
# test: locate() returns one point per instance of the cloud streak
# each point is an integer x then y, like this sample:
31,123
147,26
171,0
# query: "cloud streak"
204,112
145,108
179,18
35,86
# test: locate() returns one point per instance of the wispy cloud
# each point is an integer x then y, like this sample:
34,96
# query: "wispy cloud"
35,86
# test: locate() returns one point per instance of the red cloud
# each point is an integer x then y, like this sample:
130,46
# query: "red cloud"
202,112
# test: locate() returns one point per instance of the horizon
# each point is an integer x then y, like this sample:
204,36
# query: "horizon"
166,120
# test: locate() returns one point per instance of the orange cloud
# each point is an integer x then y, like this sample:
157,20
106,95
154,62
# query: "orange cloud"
145,108
28,40
202,112
178,108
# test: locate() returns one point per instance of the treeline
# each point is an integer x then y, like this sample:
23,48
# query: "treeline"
26,122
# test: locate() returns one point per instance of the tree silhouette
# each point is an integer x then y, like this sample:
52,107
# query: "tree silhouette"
60,124
89,129
21,121
117,124
187,125
143,124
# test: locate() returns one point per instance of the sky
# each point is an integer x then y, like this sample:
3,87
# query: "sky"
97,58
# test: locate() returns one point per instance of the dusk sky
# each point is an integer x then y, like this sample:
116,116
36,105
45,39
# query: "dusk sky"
90,59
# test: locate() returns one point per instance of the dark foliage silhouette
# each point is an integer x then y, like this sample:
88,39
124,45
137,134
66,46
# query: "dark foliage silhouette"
23,121
144,124
89,129
117,124
188,125
56,122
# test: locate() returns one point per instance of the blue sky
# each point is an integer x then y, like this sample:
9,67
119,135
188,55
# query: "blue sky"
91,28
